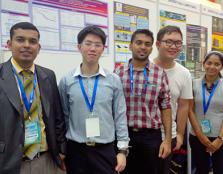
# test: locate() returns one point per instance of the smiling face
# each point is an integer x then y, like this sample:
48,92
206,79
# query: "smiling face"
24,46
213,66
141,47
91,49
169,46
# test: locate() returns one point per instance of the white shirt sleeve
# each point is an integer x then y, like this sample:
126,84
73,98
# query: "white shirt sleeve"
187,92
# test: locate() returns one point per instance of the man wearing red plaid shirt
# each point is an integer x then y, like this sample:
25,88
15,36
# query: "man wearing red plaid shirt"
148,106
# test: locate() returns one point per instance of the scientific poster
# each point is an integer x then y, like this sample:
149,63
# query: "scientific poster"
196,48
127,19
58,21
217,34
12,12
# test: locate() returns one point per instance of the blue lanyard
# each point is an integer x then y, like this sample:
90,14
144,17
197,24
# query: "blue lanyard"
132,81
27,103
89,105
206,106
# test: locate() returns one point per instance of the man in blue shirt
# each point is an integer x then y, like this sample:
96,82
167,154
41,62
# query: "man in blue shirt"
95,111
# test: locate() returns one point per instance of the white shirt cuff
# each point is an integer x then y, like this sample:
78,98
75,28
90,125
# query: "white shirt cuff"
123,144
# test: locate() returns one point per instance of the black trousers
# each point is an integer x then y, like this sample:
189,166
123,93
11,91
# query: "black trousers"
83,159
143,154
202,158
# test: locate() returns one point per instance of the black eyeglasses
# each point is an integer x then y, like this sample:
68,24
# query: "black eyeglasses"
170,43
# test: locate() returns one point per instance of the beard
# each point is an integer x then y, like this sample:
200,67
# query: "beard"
140,58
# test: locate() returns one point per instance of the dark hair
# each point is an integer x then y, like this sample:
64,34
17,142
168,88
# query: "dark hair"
210,53
168,30
91,30
142,31
24,26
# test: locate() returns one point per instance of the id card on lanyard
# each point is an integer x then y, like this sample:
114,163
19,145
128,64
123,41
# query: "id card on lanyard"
92,123
32,128
205,123
32,133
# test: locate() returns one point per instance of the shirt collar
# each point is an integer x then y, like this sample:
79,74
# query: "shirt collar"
78,72
19,69
127,66
205,82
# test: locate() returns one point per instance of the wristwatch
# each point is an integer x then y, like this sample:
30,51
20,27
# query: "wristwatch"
124,151
221,138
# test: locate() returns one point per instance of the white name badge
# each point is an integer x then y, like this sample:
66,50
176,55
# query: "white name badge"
92,127
32,133
206,126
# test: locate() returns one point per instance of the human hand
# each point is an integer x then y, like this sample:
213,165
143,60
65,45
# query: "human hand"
63,166
206,142
165,149
216,144
179,142
121,162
